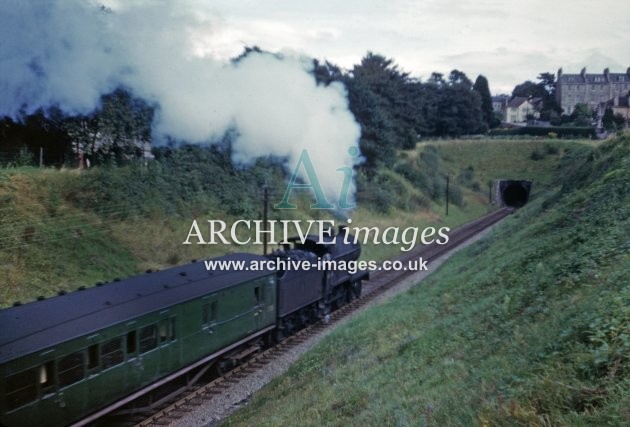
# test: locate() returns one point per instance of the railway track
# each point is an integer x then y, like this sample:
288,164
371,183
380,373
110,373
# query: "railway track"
380,282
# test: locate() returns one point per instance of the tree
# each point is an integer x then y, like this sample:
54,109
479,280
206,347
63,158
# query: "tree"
548,82
459,107
28,135
458,78
620,121
487,112
116,132
124,126
612,121
326,73
545,89
83,132
529,89
582,115
382,102
376,123
608,120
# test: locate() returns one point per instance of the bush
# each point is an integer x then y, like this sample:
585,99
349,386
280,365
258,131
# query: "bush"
429,158
467,179
455,196
412,174
536,155
551,149
23,158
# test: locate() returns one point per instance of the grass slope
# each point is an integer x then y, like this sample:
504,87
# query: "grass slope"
61,229
530,326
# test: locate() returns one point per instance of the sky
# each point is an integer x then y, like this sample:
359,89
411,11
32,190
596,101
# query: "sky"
175,55
508,41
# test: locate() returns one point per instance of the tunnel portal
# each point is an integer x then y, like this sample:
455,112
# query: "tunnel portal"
513,193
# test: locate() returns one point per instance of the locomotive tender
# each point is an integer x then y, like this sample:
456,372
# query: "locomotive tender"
88,352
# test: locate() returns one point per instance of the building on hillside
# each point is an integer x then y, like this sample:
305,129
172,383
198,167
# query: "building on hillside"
521,109
590,89
620,105
499,103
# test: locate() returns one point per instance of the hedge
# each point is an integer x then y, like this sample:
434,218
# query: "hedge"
561,132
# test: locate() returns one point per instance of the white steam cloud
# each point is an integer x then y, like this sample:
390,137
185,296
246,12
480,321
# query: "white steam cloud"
69,53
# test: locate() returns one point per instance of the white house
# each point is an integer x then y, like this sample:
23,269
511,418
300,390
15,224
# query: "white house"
520,108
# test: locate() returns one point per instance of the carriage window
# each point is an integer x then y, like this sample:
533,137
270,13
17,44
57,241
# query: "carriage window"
21,389
70,369
209,313
167,330
148,338
112,353
92,355
131,343
47,377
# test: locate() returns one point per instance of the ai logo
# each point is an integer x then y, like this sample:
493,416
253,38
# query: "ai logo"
313,184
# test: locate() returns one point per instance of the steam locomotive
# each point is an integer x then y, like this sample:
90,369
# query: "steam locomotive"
80,355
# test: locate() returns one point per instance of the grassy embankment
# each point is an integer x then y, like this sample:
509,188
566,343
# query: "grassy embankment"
65,228
529,326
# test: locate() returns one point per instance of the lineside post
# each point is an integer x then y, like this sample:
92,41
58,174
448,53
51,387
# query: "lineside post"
447,182
265,208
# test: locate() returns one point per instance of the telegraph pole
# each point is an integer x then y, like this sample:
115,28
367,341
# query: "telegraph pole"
265,208
447,182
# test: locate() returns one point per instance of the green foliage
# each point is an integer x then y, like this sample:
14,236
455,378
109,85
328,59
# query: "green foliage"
560,132
116,132
551,149
22,140
382,100
377,127
545,89
394,110
529,326
611,121
467,179
537,155
455,196
582,115
387,190
200,176
23,158
608,121
458,107
482,88
80,227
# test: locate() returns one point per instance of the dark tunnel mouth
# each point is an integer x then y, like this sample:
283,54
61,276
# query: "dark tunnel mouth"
515,195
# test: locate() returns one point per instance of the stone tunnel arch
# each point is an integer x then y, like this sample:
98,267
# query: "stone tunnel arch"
513,193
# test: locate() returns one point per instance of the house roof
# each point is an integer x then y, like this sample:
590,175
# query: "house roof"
594,78
39,325
517,101
500,98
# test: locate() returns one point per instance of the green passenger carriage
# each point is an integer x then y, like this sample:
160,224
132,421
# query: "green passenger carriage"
63,358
